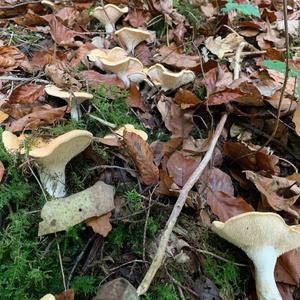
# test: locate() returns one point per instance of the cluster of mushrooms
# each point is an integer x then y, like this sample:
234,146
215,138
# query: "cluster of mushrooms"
128,68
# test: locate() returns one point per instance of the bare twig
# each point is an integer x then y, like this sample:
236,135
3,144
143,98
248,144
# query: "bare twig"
159,256
12,78
237,58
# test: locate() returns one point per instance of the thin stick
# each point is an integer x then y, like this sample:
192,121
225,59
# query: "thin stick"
237,58
159,256
12,78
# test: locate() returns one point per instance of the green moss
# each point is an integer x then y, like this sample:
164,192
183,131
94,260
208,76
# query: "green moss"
162,292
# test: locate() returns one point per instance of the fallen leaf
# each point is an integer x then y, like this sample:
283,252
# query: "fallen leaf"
61,214
273,190
26,93
3,116
166,185
142,156
171,57
177,120
225,206
186,99
117,289
219,46
134,98
296,119
206,289
66,295
190,145
287,104
287,268
100,224
10,58
95,78
220,181
180,167
138,17
224,96
42,115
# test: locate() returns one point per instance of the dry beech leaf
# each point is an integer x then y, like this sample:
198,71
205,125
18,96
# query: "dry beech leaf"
190,145
43,115
180,167
138,17
10,58
27,93
3,116
134,98
224,96
219,46
287,268
142,156
166,185
186,99
225,206
220,181
66,295
296,119
178,121
95,78
63,213
100,224
272,190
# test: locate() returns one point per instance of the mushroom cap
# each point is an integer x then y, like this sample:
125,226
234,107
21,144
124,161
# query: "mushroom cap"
48,297
55,91
169,80
131,37
130,128
254,230
11,142
63,148
109,14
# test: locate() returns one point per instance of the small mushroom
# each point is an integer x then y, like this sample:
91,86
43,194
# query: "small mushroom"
73,99
109,15
167,79
264,237
131,37
48,297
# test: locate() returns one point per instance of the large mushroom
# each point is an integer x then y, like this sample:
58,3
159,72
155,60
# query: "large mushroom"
263,237
167,79
131,37
109,15
51,156
74,99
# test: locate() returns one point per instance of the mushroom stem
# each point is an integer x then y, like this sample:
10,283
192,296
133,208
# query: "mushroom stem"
264,261
75,111
53,179
109,28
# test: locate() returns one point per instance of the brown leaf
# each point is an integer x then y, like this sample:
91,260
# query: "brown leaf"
66,295
27,93
255,162
10,58
273,190
180,167
2,170
3,116
186,99
197,146
134,98
31,19
296,119
61,34
171,57
226,206
166,185
224,97
95,78
137,17
220,181
80,55
142,156
287,268
177,120
42,115
100,224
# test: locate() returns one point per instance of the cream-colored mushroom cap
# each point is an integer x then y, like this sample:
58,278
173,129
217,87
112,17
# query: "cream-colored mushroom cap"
131,37
169,80
11,142
109,15
48,297
130,128
257,229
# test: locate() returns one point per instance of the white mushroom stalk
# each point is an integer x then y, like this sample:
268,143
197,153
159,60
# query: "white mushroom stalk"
169,80
109,15
263,237
131,37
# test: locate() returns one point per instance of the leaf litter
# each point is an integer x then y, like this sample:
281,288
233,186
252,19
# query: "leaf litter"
237,55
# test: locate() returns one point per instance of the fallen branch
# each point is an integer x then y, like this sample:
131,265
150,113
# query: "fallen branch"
159,256
12,78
